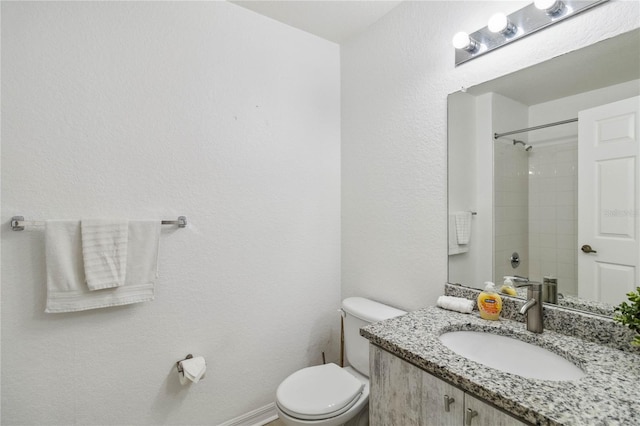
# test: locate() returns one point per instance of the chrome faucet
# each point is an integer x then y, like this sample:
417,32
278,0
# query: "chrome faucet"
532,308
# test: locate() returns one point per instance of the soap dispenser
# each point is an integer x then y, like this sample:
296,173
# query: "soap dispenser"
508,288
489,302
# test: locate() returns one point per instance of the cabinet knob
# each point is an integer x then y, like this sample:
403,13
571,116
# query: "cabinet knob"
447,402
470,414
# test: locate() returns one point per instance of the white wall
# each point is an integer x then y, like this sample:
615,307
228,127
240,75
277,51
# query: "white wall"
154,110
395,80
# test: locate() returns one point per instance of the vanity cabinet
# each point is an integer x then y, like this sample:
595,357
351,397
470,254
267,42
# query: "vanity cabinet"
403,394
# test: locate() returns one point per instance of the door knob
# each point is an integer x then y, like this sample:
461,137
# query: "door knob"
587,249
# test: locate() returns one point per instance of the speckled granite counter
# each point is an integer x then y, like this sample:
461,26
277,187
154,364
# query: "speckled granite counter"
608,395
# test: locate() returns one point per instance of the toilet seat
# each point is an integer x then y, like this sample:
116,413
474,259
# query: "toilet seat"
318,392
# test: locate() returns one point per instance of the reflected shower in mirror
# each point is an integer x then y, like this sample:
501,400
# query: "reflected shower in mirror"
517,157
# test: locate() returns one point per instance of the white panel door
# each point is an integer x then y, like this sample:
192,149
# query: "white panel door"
608,201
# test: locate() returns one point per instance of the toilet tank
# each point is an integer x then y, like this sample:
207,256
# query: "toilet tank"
358,313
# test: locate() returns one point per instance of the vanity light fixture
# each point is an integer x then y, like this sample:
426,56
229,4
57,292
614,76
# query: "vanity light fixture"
503,29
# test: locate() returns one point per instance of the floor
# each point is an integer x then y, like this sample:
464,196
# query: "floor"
277,422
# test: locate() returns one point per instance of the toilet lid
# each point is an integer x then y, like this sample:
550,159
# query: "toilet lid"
318,392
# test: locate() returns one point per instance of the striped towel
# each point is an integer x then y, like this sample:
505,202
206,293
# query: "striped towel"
104,252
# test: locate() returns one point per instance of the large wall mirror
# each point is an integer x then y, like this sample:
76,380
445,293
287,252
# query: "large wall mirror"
528,202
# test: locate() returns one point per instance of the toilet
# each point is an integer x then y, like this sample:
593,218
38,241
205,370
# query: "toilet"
329,395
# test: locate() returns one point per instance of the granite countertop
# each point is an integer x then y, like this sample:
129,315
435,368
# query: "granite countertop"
609,394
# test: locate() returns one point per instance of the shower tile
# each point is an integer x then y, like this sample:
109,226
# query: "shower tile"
566,256
565,212
565,227
565,183
566,241
549,255
565,198
548,240
565,270
549,268
548,213
548,199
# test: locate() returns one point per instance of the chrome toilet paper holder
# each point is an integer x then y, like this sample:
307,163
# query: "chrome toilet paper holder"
179,366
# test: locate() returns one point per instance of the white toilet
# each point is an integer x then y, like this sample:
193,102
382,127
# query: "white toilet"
326,394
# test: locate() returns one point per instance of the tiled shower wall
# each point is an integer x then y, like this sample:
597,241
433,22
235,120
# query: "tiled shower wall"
553,215
511,209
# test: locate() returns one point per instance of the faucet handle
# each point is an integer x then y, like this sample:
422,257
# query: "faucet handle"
533,284
516,278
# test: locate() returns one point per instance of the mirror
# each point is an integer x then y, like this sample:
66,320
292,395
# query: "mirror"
520,192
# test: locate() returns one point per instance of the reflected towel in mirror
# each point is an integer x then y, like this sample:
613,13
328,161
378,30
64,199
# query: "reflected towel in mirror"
455,245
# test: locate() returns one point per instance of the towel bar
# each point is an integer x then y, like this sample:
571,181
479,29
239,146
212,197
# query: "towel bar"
18,223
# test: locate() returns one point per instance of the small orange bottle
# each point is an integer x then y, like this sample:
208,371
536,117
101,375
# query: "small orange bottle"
489,302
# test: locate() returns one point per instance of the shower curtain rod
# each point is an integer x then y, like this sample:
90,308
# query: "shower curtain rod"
542,126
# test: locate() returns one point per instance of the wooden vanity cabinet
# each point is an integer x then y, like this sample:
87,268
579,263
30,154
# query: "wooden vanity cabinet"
403,394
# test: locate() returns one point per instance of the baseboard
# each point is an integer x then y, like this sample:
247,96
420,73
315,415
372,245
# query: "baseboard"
257,417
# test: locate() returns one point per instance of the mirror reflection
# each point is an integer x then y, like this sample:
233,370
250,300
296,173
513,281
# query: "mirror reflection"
543,179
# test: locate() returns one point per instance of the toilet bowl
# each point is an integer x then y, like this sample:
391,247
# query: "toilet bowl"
324,395
328,395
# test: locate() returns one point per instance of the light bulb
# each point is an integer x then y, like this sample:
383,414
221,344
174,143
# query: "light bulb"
551,7
544,4
462,41
499,23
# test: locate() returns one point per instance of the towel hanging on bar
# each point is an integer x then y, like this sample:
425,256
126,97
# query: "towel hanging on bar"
18,223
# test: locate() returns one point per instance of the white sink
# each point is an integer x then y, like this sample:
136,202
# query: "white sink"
511,355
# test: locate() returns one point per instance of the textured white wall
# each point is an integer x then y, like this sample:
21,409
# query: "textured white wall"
152,110
395,80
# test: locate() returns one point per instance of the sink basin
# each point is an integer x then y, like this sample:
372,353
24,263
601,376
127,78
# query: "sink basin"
511,355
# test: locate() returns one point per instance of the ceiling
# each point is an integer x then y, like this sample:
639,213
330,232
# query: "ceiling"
334,20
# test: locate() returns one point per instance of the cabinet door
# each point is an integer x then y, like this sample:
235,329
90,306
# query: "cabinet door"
486,415
402,394
443,403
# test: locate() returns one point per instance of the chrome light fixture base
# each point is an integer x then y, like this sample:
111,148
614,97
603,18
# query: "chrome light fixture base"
526,21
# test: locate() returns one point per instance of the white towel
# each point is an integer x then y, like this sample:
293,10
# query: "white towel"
104,252
66,288
457,304
463,227
454,247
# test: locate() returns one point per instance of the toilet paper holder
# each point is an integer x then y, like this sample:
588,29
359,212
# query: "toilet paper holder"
179,366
